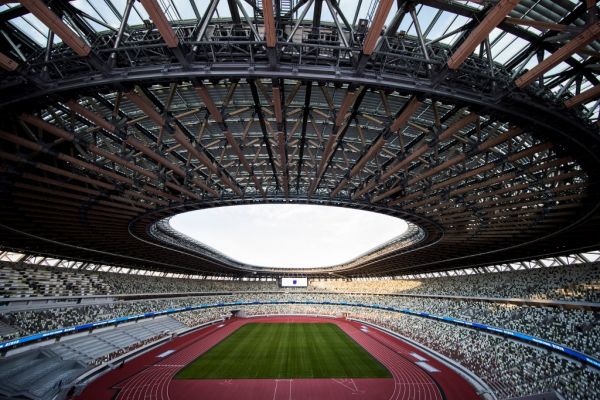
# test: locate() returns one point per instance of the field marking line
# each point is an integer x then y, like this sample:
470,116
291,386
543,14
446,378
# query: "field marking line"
275,392
421,378
378,352
129,389
341,382
200,346
165,379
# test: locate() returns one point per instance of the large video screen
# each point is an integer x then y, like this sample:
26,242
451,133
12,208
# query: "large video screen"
294,282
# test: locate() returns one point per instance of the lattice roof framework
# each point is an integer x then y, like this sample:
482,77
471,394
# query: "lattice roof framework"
475,121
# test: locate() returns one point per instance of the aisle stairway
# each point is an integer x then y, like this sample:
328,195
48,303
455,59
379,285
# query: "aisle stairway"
41,373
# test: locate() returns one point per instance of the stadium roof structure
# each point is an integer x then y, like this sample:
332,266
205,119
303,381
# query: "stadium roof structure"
475,121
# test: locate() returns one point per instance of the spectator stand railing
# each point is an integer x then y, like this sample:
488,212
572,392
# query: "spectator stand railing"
542,343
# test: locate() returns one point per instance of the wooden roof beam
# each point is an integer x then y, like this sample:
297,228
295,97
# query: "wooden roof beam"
61,133
143,148
8,63
59,171
398,123
455,160
49,201
162,24
91,116
407,112
514,200
269,19
377,23
145,106
185,191
41,11
541,25
475,186
435,205
84,164
54,182
277,106
456,126
127,206
491,165
418,152
486,183
209,103
342,112
492,19
238,152
61,156
100,121
583,97
336,135
282,147
424,175
591,33
218,117
507,208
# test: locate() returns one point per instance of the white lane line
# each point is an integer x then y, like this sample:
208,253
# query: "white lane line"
275,392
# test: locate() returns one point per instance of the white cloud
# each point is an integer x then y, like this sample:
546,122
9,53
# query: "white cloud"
289,235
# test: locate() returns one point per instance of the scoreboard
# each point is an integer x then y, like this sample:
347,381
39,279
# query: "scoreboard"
294,282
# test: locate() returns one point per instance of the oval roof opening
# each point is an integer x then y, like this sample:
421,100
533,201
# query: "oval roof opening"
289,235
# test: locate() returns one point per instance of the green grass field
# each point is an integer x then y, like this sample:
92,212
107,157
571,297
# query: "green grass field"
295,350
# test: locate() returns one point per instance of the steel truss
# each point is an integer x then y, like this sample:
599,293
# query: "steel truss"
110,131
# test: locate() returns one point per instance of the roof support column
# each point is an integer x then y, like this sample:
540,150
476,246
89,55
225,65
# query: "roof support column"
420,36
113,56
305,114
278,106
263,127
203,24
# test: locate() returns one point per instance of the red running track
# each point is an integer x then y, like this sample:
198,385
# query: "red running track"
151,377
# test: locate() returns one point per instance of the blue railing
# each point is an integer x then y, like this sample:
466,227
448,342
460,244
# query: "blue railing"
473,325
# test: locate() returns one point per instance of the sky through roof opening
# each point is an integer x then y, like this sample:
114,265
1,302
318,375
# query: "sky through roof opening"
289,235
